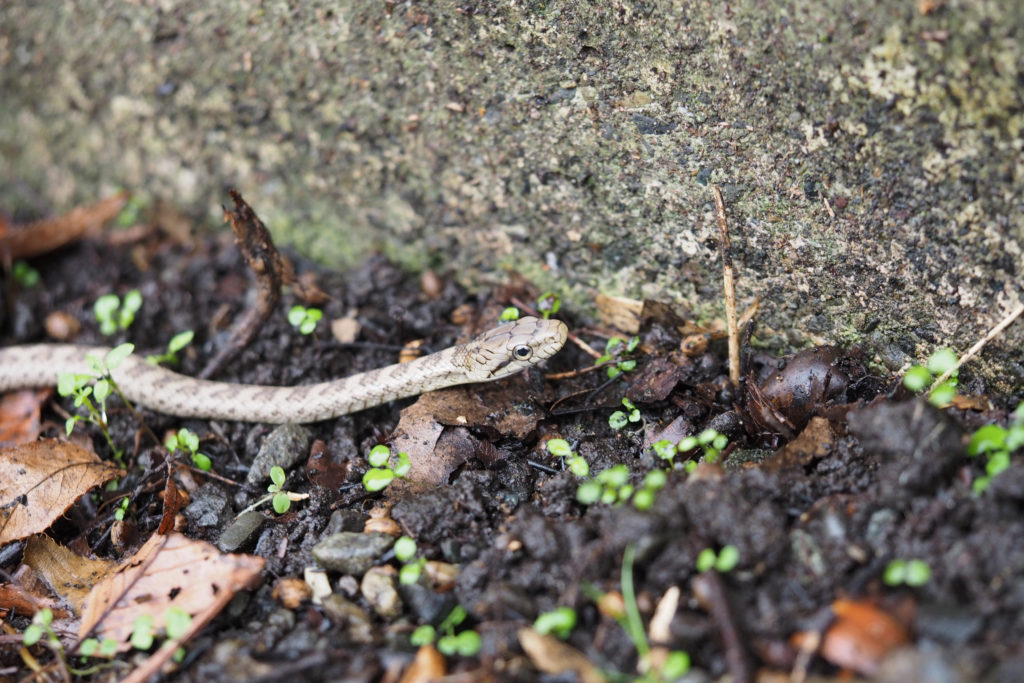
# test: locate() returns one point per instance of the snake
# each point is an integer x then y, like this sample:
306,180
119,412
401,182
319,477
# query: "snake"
500,352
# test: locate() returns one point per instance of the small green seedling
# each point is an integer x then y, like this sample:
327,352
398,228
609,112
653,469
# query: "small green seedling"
724,561
177,343
620,419
24,274
614,348
405,552
187,441
113,314
913,573
710,442
41,627
509,314
92,389
996,444
919,377
666,450
382,471
122,509
576,463
282,499
177,622
305,319
465,643
131,212
559,621
677,663
548,304
91,647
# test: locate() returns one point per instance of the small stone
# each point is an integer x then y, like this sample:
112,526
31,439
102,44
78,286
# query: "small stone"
241,532
349,552
285,447
378,588
354,618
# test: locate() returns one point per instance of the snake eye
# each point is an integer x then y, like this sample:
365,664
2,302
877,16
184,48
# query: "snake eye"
522,352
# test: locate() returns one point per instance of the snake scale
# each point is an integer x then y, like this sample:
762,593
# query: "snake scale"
505,350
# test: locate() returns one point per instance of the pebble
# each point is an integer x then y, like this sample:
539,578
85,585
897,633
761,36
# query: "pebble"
285,447
378,589
349,552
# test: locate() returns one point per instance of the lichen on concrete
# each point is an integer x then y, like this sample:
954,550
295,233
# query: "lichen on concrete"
869,153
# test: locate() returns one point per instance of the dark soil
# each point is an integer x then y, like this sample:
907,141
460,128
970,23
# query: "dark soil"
885,477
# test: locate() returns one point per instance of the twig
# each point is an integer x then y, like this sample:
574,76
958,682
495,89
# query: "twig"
974,350
729,287
709,589
271,273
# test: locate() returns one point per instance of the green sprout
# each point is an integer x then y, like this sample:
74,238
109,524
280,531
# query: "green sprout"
677,663
382,472
122,509
92,389
614,349
548,304
996,444
913,573
305,319
24,274
724,561
666,450
129,215
610,485
576,463
177,622
620,419
710,442
560,622
143,632
113,314
281,501
919,377
42,626
465,643
509,314
177,343
405,551
187,441
280,498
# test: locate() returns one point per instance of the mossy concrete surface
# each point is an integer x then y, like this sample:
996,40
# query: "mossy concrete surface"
869,152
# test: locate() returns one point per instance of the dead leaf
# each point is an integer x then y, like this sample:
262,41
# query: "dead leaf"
552,656
861,636
814,442
42,237
70,576
167,571
19,416
428,665
26,595
41,480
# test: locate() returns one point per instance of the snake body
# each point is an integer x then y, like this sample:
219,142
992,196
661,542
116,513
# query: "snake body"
500,352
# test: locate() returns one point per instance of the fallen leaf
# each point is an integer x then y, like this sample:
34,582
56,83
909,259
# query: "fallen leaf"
19,416
69,576
39,481
861,636
552,656
814,442
427,665
167,571
42,237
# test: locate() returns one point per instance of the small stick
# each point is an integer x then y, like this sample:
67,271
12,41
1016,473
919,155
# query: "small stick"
980,344
271,273
729,286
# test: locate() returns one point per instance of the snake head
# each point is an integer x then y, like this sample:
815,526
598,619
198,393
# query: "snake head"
512,347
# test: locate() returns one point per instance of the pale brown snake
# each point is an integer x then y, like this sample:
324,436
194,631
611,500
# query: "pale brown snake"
500,352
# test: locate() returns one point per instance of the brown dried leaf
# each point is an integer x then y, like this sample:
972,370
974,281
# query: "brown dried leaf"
861,636
814,442
167,571
552,656
42,237
68,575
428,665
41,480
19,416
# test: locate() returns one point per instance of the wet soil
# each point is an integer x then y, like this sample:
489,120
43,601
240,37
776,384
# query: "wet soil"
878,476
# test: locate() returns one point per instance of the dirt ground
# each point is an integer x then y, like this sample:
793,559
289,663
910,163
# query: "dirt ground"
818,491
